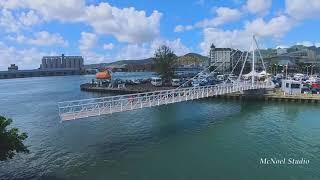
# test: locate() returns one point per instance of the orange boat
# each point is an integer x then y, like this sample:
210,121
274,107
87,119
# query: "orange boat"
103,75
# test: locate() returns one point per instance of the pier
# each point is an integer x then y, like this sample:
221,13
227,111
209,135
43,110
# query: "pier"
273,97
128,89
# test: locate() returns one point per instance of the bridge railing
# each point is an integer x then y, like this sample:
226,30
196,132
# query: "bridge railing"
106,105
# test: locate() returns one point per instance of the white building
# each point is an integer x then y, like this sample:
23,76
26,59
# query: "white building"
291,87
281,51
223,58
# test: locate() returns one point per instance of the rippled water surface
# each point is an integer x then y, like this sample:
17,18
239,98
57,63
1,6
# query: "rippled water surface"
205,139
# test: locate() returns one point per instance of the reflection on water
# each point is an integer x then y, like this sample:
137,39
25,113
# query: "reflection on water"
204,139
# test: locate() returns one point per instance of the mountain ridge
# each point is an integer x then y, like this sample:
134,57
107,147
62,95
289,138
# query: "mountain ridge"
195,58
188,58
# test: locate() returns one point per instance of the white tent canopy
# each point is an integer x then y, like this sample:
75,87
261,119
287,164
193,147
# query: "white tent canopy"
256,74
263,73
252,73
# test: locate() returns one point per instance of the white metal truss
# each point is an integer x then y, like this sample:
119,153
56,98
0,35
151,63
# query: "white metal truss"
70,110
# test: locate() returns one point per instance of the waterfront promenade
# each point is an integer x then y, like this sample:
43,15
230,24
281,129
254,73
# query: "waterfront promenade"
276,97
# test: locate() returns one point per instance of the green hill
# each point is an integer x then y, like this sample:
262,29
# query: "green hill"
190,58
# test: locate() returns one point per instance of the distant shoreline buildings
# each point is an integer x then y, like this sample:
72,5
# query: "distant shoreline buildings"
62,62
50,66
297,58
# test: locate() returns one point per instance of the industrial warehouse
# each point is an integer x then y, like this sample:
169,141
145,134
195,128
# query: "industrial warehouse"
50,66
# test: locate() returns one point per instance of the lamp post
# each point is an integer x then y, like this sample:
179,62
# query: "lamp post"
311,72
308,69
282,71
286,71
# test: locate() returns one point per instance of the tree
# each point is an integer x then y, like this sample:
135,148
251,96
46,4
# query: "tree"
165,60
11,142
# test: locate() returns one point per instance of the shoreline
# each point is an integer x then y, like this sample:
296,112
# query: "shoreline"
129,89
268,95
272,97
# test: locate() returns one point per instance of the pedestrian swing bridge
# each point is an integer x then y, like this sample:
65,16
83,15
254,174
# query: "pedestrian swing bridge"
71,110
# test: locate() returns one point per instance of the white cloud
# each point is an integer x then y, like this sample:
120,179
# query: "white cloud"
309,43
108,46
63,10
11,4
282,46
176,45
230,38
127,25
276,27
24,58
146,50
15,22
30,18
200,2
86,44
135,51
302,9
8,21
223,15
87,41
42,38
305,43
260,7
179,28
93,57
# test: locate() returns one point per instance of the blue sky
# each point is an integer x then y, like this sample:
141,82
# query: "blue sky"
105,31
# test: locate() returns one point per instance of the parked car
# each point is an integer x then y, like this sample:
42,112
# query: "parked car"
136,81
145,80
175,82
186,83
195,83
315,90
305,90
211,81
156,81
315,85
220,77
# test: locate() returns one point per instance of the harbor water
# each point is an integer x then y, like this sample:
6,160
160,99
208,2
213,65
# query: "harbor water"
202,139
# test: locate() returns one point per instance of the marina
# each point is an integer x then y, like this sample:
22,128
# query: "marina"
124,144
71,110
147,93
159,90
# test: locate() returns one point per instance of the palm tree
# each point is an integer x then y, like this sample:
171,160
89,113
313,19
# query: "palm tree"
11,142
